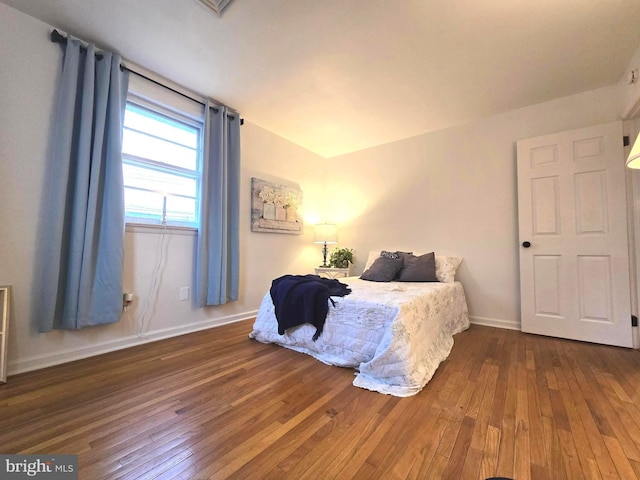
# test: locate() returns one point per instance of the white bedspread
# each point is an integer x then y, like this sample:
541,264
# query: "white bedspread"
395,334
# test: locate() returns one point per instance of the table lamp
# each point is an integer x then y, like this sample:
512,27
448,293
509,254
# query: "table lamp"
325,234
634,157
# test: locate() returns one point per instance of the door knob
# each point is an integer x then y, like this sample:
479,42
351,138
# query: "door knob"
526,244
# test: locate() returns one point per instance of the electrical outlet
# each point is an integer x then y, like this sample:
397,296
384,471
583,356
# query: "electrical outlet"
184,293
127,300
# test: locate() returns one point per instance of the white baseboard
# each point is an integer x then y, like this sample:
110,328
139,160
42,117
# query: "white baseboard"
37,362
494,322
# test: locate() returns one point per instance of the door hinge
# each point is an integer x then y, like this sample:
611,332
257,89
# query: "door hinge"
634,321
625,141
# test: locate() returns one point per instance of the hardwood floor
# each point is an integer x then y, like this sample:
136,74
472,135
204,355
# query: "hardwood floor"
215,404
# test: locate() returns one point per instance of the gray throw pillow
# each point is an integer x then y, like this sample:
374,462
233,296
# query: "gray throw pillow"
418,269
405,256
384,269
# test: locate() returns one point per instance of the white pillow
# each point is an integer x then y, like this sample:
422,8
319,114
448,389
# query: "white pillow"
446,266
371,258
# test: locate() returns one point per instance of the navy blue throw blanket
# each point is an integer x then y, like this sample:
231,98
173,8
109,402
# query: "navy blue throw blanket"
302,299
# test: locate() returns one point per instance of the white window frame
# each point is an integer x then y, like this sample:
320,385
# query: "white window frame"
178,116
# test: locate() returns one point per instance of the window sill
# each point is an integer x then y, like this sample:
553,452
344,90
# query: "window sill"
160,229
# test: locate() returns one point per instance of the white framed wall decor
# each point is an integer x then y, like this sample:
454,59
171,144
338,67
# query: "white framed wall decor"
275,208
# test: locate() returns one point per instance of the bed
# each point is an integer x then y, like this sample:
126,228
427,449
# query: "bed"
395,334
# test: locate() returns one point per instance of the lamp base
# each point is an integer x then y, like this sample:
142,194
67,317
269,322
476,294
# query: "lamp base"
325,249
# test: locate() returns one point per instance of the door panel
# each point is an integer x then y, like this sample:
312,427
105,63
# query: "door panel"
591,202
574,277
594,288
544,199
547,279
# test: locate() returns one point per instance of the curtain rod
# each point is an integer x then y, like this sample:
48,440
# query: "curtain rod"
57,37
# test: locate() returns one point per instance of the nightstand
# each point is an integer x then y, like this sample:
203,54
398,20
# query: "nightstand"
330,272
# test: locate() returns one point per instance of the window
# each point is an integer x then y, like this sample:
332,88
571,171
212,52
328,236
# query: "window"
162,164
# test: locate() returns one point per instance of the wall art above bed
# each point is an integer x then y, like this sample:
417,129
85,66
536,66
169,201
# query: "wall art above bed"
275,208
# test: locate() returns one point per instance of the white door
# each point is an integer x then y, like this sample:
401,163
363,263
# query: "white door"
574,259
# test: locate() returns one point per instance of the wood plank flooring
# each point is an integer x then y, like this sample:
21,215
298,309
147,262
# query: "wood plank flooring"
214,404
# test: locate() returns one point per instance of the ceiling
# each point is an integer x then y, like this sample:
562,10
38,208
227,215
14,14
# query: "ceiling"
341,75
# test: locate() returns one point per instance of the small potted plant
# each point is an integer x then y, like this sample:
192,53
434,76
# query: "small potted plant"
341,258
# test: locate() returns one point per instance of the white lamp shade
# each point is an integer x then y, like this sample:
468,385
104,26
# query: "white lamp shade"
326,233
634,157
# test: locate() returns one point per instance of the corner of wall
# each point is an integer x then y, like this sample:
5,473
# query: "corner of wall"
629,87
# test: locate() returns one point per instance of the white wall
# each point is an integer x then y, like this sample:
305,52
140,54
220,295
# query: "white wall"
629,110
630,92
454,192
156,267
